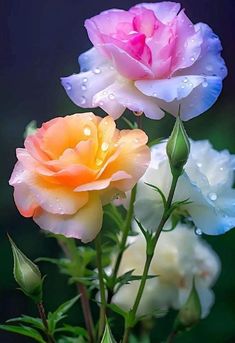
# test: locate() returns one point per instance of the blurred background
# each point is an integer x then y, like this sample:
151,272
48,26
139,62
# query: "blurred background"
40,42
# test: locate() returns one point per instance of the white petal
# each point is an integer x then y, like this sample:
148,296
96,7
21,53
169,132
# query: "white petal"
198,101
84,225
175,88
127,95
91,59
82,87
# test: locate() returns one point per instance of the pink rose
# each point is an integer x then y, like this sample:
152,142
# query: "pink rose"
72,166
149,59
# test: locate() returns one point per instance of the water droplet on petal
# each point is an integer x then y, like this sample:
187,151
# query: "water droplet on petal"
82,100
97,70
204,83
185,80
104,146
83,87
68,86
209,67
87,131
155,94
98,161
111,96
136,140
198,232
85,80
192,59
199,164
221,169
190,84
212,196
101,103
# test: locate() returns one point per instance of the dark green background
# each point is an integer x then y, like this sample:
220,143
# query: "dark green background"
39,42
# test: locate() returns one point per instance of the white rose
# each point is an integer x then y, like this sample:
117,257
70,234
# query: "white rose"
180,257
207,182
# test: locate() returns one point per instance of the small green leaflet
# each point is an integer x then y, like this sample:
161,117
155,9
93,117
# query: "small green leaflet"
107,337
25,331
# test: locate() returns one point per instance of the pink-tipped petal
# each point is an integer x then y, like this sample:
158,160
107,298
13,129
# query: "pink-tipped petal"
165,11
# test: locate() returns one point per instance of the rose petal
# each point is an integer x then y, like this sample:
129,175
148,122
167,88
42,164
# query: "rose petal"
175,88
84,224
198,101
127,65
127,95
165,11
210,61
82,87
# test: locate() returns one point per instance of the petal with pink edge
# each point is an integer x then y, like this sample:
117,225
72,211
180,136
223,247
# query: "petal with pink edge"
84,224
165,11
210,61
126,65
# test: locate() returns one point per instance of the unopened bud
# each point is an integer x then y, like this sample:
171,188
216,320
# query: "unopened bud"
178,148
190,313
26,274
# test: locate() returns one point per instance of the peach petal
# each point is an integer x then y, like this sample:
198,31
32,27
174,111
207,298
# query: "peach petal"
84,224
102,184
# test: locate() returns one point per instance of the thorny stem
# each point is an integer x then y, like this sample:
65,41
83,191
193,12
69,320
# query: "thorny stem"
102,287
122,246
69,248
149,255
42,313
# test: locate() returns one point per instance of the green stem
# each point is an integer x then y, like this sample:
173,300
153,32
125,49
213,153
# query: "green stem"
122,245
171,337
149,255
70,249
102,287
42,313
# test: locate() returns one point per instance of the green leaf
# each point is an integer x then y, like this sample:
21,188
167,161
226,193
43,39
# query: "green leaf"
115,308
148,235
57,315
159,191
36,322
134,339
155,142
24,331
75,330
129,123
71,340
107,337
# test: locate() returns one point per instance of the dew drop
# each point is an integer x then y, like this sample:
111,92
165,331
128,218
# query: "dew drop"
190,84
221,169
68,86
98,161
204,84
209,67
83,87
198,232
97,70
87,131
182,86
111,96
136,140
155,94
101,103
212,196
104,146
192,59
185,80
199,164
82,100
85,80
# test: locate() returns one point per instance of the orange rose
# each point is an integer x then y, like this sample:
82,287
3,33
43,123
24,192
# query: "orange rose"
72,166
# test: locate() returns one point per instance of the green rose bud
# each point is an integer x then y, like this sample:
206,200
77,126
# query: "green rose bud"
178,148
190,313
26,274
